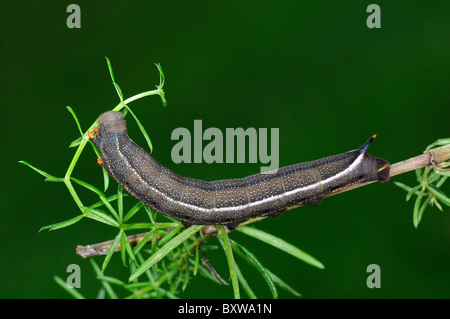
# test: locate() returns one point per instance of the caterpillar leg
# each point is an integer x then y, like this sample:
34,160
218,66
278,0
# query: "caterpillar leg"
92,135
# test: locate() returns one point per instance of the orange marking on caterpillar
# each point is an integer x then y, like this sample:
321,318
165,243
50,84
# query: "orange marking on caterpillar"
99,161
382,168
91,136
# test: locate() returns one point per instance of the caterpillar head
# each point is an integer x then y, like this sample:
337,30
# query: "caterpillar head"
112,122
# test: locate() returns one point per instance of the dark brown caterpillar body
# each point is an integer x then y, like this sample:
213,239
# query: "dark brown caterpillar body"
233,201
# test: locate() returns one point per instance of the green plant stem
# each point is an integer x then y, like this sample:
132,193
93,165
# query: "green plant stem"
136,97
163,251
85,140
67,180
437,157
231,262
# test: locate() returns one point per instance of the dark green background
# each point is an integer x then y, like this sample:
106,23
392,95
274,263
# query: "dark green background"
312,69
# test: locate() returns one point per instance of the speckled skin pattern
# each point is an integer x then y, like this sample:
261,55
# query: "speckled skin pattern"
232,201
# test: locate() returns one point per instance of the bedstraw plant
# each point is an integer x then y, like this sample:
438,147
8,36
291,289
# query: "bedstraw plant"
163,256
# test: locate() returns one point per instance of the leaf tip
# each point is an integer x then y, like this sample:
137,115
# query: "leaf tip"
44,228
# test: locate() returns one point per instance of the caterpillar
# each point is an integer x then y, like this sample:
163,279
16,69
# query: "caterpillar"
230,201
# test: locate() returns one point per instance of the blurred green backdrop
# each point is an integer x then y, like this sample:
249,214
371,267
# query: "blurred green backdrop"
312,69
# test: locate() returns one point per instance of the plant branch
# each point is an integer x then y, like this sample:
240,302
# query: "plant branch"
436,157
103,247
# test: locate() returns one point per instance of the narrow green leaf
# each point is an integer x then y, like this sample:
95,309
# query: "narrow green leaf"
413,191
161,85
169,236
163,251
231,262
88,186
154,242
283,284
433,177
174,279
104,172
48,176
119,91
151,273
197,259
442,180
150,213
105,179
419,174
100,194
123,252
76,120
111,73
116,86
416,216
205,272
120,201
251,258
101,203
439,142
62,224
104,283
280,244
76,142
72,291
143,242
248,290
111,250
133,211
110,280
162,78
166,225
439,195
444,173
101,217
141,127
186,276
403,186
139,226
127,247
434,201
423,207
